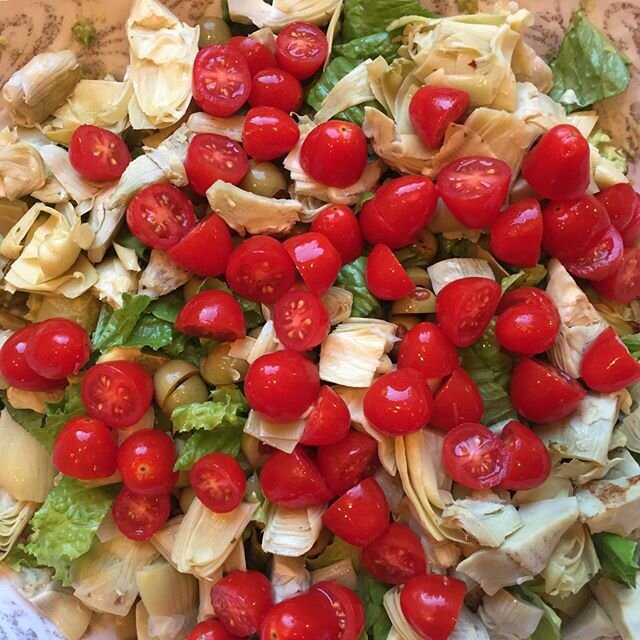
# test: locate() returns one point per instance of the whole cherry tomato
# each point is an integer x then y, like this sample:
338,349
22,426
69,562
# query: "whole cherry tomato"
340,225
300,320
526,329
269,133
529,461
210,630
623,285
427,349
631,233
139,517
301,49
457,400
256,54
516,234
348,608
386,278
219,482
273,87
329,421
529,296
620,203
315,258
98,154
212,314
601,260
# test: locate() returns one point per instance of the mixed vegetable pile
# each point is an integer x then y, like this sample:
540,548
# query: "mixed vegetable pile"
322,333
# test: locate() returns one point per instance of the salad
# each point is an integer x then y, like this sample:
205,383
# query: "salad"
322,324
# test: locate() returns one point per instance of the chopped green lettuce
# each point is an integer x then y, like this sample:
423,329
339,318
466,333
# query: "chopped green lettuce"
335,551
26,418
116,325
128,240
371,592
618,557
633,344
602,142
221,440
227,408
459,248
549,626
371,46
528,277
351,278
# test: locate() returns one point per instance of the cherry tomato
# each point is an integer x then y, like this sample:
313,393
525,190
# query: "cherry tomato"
340,225
273,87
348,608
601,260
241,600
118,393
221,79
160,216
427,349
386,278
529,461
316,259
257,55
458,400
516,234
465,307
528,296
543,393
98,154
396,556
623,285
329,421
210,630
559,166
360,515
218,481
300,320
334,153
301,49
139,517
293,480
260,269
206,249
474,189
399,211
620,203
269,133
631,233
607,366
527,330
433,109
212,314
349,461
398,403
431,604
85,449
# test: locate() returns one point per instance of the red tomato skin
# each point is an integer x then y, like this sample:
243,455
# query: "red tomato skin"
399,210
398,403
273,87
543,393
527,296
607,366
212,314
620,203
206,249
433,109
340,225
396,556
623,285
431,604
87,150
348,608
257,55
631,233
293,480
241,600
529,460
301,49
139,517
427,349
516,234
271,379
464,308
269,133
218,481
360,515
386,278
300,320
223,60
601,260
349,461
210,630
85,449
334,153
457,400
527,330
316,259
559,167
329,421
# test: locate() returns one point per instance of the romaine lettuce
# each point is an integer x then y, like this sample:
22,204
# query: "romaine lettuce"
371,592
371,46
227,408
351,278
618,557
221,440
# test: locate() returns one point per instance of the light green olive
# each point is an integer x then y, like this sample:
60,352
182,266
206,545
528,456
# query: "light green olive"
406,321
213,31
191,288
187,496
189,391
420,301
264,179
220,368
251,450
426,246
169,376
419,276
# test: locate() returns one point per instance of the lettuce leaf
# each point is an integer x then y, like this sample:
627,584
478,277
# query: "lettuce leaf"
26,418
529,277
335,551
549,626
371,592
351,278
221,440
633,344
460,248
227,408
618,557
116,325
371,46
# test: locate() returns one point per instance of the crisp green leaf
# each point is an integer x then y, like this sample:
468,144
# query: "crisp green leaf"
371,46
618,557
227,408
221,440
550,624
128,240
150,332
460,248
633,344
337,550
363,198
168,307
116,325
371,594
528,277
186,348
351,278
26,418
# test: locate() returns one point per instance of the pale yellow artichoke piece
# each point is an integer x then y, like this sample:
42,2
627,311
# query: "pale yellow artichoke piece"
14,516
292,532
621,604
114,281
204,123
282,436
161,276
22,170
289,577
508,617
279,14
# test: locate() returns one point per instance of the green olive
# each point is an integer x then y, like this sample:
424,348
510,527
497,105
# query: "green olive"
220,368
420,301
419,276
251,450
187,392
191,288
426,246
213,31
187,496
405,321
264,179
169,376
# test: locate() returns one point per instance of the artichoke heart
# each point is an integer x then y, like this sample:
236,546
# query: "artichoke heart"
14,515
289,577
113,281
292,532
280,13
509,618
446,271
161,276
22,170
282,436
204,123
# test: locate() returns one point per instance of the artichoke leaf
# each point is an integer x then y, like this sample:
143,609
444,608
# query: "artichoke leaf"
289,577
164,539
14,516
113,281
282,436
204,123
621,604
338,302
391,602
280,13
341,572
444,272
22,169
507,617
161,276
592,623
292,532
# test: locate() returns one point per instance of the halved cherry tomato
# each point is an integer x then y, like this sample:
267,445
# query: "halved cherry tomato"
399,211
396,556
527,295
348,608
607,366
316,259
516,234
620,203
273,87
260,269
257,55
349,461
98,154
210,630
543,393
340,225
399,402
386,278
631,233
293,480
529,461
464,308
140,517
601,260
623,285
241,600
427,349
85,449
206,249
300,320
301,49
329,420
474,456
160,216
272,379
334,153
221,79
360,515
212,314
218,481
269,133
431,604
457,400
433,109
118,393
526,329
559,166
474,189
